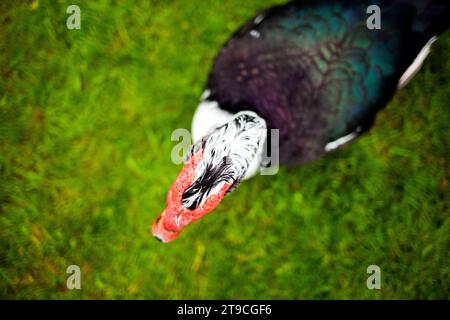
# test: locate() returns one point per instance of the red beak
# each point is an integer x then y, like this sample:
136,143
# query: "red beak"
161,233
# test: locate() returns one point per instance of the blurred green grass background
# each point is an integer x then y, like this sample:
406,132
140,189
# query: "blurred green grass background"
85,123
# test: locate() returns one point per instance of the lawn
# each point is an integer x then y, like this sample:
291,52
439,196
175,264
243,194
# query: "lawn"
86,118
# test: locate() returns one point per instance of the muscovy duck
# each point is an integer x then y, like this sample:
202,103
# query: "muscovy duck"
311,69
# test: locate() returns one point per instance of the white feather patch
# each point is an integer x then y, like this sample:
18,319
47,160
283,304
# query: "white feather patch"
209,116
255,34
339,142
416,65
258,19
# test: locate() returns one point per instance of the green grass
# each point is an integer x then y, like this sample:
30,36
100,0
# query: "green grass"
85,124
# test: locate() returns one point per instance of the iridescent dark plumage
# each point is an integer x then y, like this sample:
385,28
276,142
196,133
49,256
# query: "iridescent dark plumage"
315,71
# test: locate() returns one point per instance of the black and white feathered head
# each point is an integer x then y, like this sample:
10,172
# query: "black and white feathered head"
214,167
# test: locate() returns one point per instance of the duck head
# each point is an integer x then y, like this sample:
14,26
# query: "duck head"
214,167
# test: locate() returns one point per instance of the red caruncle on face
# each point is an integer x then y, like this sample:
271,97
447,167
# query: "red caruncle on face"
175,217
